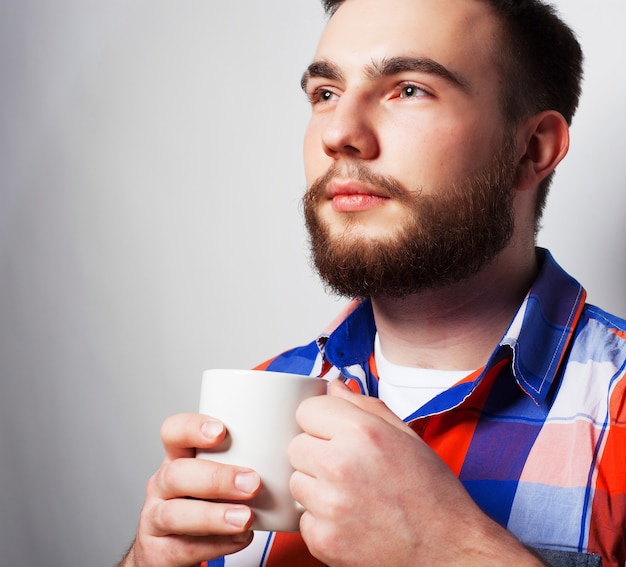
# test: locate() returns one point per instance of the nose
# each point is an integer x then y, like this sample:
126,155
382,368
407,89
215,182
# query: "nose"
350,131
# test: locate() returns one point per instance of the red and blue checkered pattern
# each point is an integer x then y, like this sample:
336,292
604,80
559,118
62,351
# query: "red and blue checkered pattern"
537,436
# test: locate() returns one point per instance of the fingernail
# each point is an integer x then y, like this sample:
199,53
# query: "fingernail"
237,517
247,482
211,429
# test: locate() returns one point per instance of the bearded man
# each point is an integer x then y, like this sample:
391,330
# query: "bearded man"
477,408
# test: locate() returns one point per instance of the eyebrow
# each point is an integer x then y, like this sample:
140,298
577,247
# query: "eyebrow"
386,67
323,70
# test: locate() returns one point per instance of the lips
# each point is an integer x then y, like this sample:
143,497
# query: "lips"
350,187
356,203
349,196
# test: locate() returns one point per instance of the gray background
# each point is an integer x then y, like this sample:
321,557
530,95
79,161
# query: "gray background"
150,175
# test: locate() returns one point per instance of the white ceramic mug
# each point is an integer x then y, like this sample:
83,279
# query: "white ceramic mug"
259,410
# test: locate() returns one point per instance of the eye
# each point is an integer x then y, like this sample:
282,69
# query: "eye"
411,90
321,95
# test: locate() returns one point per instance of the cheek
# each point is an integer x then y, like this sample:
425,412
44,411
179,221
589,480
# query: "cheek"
412,154
314,157
311,149
433,155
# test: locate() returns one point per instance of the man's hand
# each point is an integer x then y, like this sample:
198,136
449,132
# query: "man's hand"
178,525
376,494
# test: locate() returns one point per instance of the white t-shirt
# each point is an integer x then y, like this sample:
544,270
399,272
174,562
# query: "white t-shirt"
405,389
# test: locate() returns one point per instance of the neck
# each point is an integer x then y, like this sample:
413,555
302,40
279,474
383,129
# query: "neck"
456,327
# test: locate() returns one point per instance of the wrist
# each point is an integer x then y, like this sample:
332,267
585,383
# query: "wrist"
493,545
129,558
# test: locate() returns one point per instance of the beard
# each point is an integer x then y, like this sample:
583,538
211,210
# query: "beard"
446,236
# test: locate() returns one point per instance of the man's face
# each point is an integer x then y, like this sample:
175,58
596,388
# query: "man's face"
410,174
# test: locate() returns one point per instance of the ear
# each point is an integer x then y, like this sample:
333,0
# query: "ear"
545,139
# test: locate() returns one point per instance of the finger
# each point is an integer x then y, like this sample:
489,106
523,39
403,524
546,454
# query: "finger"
201,549
181,434
200,478
182,551
220,546
321,416
303,490
325,416
200,518
307,453
369,404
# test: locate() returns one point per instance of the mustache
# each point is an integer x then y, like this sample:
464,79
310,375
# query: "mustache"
386,185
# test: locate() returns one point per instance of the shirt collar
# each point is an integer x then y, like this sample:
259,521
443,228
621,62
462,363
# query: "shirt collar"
542,328
536,339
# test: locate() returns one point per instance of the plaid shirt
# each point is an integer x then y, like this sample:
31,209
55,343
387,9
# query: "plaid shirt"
537,436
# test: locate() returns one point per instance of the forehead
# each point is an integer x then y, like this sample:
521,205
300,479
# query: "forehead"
459,34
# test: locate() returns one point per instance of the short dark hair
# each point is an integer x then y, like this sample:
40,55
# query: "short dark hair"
541,62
